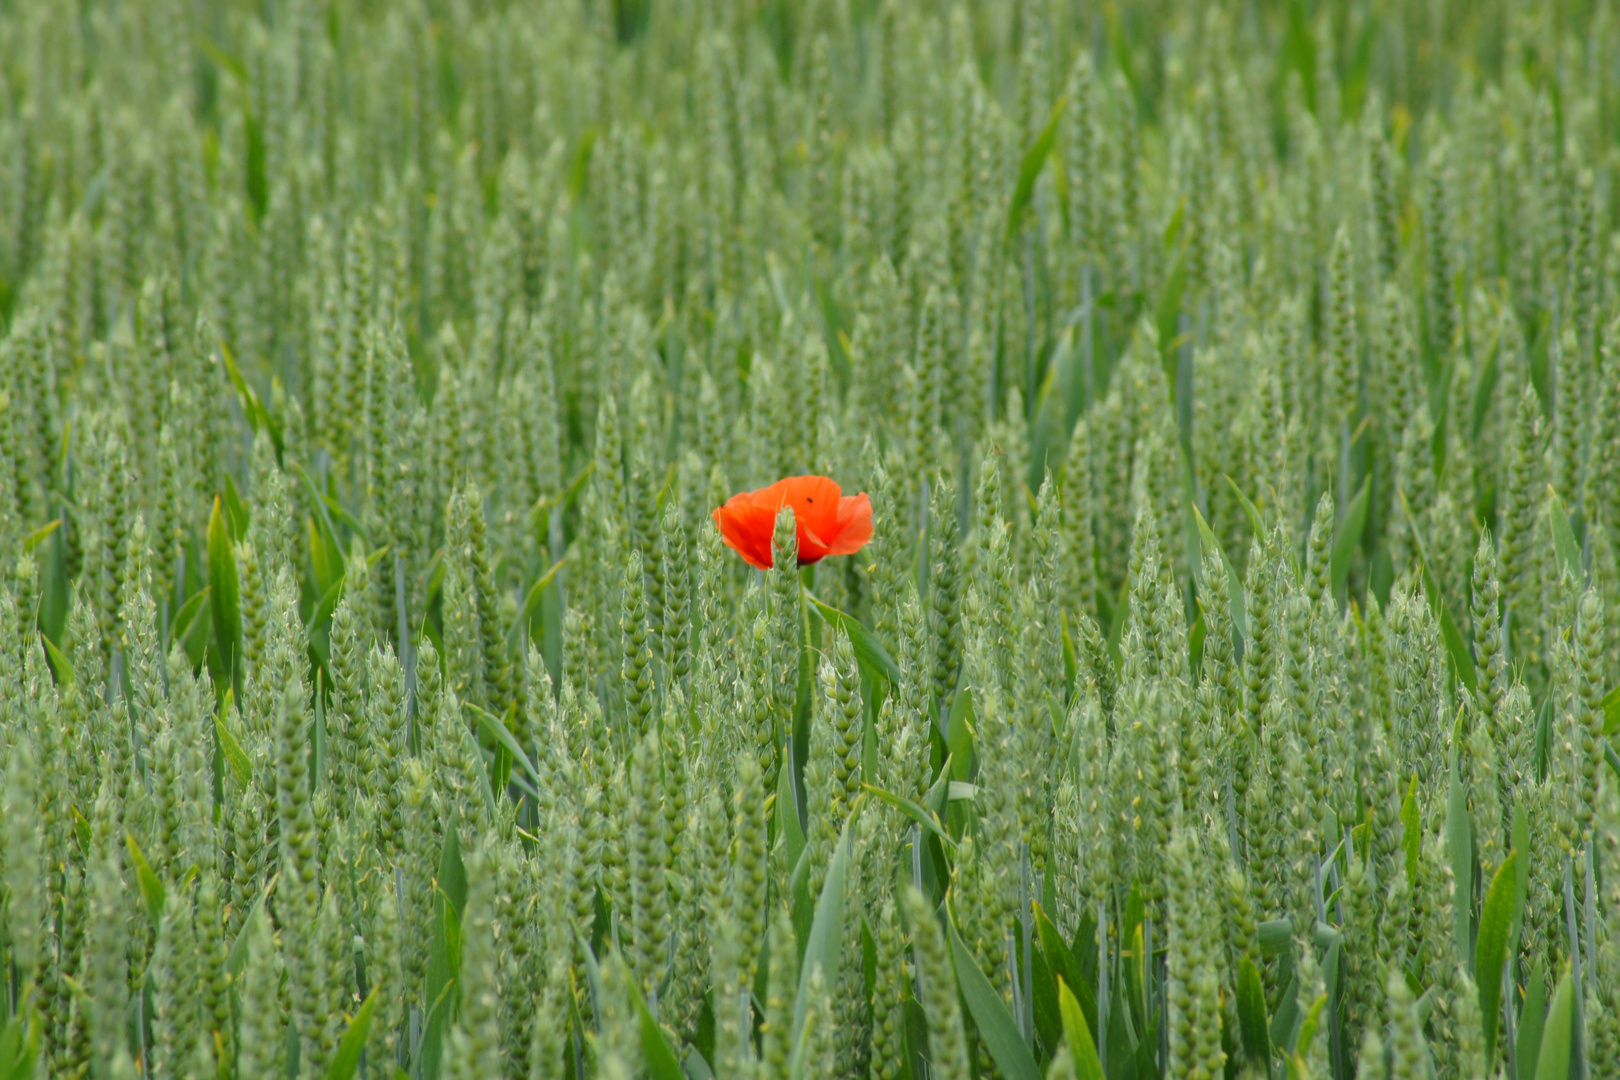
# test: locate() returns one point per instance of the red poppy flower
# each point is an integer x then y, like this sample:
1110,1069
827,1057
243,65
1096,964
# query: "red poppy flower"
828,522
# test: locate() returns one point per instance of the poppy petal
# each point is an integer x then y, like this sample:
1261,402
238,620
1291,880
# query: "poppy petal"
855,525
746,528
826,522
812,548
814,500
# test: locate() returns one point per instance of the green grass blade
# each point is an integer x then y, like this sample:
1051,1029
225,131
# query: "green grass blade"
66,674
1411,831
346,1062
788,825
41,534
996,1026
152,890
1087,1066
1061,962
503,736
959,737
438,1020
1490,952
1565,546
914,812
660,1058
236,959
1308,1028
257,415
236,758
826,937
1532,1022
225,590
1237,599
1348,537
1460,849
1251,1009
236,514
531,603
325,606
1462,660
1256,523
1557,1037
1029,170
19,1046
873,659
185,619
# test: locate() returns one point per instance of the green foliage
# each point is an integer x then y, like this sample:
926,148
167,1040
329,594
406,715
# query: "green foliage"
1234,668
991,1017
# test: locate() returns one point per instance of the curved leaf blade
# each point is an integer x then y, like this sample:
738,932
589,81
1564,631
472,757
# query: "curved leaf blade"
1251,1008
531,602
914,812
1029,170
241,765
1256,523
1557,1037
1564,543
236,959
180,626
1001,1037
224,589
41,534
873,659
1462,659
1087,1066
1236,598
660,1057
788,825
1061,962
1411,830
19,1046
1348,537
826,938
65,672
1460,849
1308,1027
503,736
1490,950
152,890
347,1060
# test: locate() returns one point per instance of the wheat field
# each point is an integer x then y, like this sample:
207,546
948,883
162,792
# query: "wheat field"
399,680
